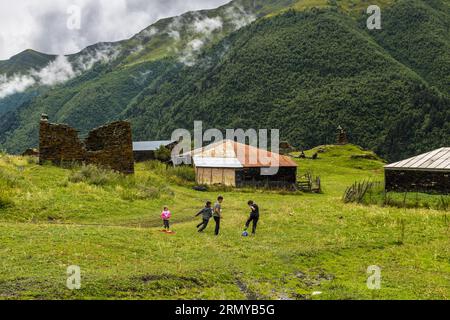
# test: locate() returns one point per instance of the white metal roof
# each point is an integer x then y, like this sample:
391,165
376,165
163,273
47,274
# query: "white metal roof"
213,162
149,145
437,160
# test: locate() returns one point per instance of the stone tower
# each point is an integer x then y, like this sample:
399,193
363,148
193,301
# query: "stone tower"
341,136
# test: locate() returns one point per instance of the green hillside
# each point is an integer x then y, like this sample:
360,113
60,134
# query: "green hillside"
21,64
14,101
304,73
297,68
417,33
109,225
25,61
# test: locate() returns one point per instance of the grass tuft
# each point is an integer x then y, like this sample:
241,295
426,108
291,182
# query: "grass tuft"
94,175
6,201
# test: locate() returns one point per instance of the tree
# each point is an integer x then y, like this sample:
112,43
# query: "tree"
163,154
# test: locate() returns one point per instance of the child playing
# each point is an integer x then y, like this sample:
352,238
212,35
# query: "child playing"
165,216
254,217
206,213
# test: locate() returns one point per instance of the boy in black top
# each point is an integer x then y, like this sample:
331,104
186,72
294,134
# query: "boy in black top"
206,213
254,216
217,215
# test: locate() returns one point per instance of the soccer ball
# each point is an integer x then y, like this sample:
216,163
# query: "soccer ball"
245,234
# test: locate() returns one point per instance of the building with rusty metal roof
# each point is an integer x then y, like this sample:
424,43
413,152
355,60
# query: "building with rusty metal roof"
230,163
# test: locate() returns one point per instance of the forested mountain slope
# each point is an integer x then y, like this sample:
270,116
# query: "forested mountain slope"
304,73
23,61
269,64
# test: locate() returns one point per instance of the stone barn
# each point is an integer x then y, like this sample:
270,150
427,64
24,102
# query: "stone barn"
428,173
108,146
230,163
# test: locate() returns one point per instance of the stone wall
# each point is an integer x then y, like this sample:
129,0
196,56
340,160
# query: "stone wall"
109,146
59,144
417,181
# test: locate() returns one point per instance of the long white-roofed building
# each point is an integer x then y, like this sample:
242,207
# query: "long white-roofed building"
428,172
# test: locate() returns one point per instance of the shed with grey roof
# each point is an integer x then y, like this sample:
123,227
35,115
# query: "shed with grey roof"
145,150
428,172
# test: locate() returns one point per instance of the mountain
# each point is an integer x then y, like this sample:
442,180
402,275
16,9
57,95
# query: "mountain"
302,66
17,65
24,61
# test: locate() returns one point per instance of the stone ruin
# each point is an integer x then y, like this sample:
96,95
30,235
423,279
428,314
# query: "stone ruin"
32,152
109,146
286,148
341,136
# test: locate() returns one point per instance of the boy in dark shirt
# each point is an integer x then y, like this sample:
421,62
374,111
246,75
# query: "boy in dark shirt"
206,213
254,216
217,214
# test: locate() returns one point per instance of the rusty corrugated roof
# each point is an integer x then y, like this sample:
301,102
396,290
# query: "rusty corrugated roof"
248,156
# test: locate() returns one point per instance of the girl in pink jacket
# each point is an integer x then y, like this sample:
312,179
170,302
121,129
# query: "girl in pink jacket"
165,216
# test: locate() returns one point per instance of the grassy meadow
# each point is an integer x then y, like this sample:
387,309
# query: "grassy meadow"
109,225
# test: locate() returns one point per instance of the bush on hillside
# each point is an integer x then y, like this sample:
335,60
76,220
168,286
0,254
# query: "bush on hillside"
373,193
5,201
129,188
163,154
10,179
357,192
94,175
142,192
184,173
179,174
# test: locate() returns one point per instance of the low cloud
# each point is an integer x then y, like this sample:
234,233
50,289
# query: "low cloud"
148,33
175,27
206,27
57,71
237,16
43,28
14,84
42,25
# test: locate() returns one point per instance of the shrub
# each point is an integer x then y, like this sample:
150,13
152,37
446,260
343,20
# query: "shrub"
163,154
358,191
94,175
10,179
183,172
6,200
142,192
32,160
443,203
129,188
156,166
179,174
402,227
368,193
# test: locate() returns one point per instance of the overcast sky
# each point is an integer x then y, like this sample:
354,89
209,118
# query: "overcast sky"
42,25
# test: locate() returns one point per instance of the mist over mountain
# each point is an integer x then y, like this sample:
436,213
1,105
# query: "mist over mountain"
304,67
